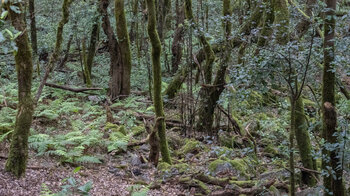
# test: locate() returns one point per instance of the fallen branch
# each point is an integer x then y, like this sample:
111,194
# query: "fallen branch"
138,143
212,180
76,90
235,124
246,191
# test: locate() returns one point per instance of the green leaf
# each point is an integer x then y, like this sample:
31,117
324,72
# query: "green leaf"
9,33
4,14
15,9
86,187
2,137
77,169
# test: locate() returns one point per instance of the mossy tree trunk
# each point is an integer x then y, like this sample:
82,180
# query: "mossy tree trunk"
157,79
176,47
33,36
87,74
334,181
18,155
94,37
59,38
299,122
124,44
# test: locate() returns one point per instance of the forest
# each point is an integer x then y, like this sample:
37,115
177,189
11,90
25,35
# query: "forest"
174,97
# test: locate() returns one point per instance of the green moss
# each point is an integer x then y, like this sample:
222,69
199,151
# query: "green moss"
182,167
137,130
191,146
214,165
243,183
163,166
271,150
240,165
112,127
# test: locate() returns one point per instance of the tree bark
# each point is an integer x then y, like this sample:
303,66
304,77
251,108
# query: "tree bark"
115,82
33,36
18,155
331,158
124,44
94,37
157,80
176,47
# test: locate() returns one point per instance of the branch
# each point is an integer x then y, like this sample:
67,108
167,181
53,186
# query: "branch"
76,90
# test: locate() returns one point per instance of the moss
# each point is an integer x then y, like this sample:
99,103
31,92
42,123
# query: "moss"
18,155
112,127
182,167
163,166
240,165
136,131
214,165
271,150
157,78
243,183
195,183
124,41
191,146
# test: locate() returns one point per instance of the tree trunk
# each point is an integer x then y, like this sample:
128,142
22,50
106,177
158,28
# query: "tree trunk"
331,158
303,141
176,47
94,37
157,79
33,37
124,44
86,68
18,155
115,81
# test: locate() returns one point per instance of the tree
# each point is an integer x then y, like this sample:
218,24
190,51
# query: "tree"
157,80
333,182
124,44
18,155
33,36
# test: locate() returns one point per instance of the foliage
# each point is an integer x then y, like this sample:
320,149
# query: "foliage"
72,187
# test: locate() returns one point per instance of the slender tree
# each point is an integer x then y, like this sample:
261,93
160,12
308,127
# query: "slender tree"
333,182
157,79
18,155
33,36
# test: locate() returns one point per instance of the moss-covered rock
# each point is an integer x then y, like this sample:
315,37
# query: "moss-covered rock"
179,168
174,140
163,166
191,146
222,166
115,128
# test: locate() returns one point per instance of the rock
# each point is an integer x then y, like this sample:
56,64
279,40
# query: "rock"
94,98
135,160
220,166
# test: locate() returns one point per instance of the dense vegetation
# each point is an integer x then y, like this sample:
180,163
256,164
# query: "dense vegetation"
182,97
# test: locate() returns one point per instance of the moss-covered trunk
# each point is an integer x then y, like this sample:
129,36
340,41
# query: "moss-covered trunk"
33,36
303,141
124,44
329,118
157,79
18,155
176,47
87,74
300,130
59,38
94,37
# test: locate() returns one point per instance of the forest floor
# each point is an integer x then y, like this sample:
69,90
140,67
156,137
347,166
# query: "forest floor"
221,165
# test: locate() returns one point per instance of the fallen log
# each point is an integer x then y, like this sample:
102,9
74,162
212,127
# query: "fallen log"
76,90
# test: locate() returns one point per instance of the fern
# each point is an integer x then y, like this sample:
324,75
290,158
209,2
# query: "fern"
87,159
